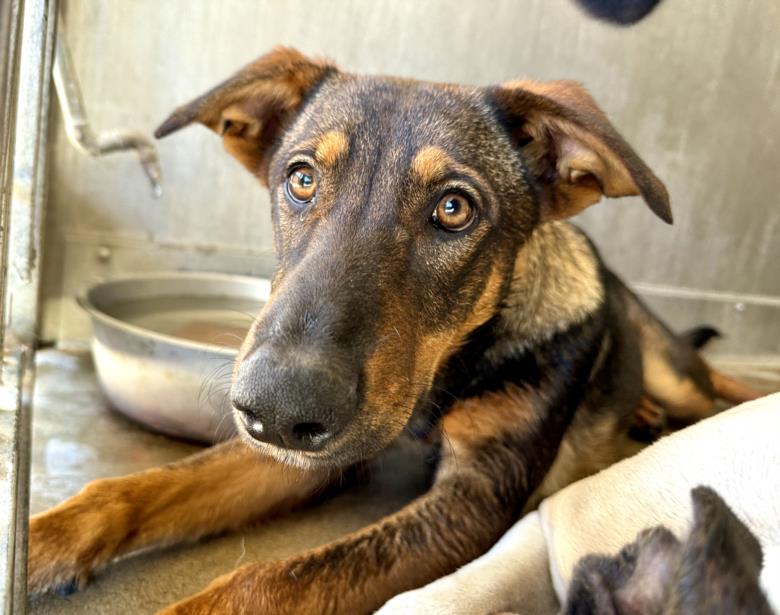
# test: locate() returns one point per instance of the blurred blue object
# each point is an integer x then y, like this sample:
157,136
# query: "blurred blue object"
623,12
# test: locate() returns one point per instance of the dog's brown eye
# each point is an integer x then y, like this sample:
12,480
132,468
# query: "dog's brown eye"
453,213
302,184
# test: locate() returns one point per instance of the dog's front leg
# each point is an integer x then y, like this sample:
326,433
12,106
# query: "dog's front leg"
219,489
495,450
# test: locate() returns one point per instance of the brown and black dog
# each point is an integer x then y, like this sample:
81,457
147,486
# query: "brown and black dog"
427,283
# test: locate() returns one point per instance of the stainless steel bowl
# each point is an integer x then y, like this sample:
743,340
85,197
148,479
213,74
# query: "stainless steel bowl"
164,344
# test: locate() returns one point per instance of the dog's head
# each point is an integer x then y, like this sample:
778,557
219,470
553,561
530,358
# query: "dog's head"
398,209
715,571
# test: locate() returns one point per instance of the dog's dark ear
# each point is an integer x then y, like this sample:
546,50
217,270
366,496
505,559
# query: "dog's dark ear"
721,563
249,109
592,587
575,153
634,581
718,530
654,557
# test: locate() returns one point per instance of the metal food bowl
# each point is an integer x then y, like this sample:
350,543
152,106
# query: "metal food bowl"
164,344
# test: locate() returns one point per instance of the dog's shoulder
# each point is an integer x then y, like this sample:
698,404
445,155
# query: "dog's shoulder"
553,311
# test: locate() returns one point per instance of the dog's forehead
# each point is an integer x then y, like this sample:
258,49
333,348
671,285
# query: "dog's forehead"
390,111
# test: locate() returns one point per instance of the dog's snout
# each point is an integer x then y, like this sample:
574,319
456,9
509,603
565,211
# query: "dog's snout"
292,400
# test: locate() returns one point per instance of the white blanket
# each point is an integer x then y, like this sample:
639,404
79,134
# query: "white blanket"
528,571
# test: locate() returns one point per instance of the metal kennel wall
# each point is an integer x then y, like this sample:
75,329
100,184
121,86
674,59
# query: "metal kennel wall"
694,88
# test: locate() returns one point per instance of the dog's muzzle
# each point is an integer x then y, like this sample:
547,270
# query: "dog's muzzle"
293,399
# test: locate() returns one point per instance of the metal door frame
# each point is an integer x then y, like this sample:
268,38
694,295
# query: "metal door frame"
27,29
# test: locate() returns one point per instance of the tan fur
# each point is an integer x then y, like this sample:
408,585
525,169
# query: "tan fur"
485,307
555,283
731,390
650,414
333,146
217,490
431,163
434,350
490,415
677,393
587,448
386,385
686,387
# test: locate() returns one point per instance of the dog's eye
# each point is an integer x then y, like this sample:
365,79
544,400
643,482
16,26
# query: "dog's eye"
453,213
302,184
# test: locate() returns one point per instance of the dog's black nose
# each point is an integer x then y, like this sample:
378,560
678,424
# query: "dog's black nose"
306,435
291,400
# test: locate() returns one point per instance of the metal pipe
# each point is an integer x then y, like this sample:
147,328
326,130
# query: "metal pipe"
78,128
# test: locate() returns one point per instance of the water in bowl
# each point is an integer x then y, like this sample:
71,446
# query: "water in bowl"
220,321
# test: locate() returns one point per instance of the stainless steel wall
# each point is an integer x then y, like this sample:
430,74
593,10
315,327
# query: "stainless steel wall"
695,89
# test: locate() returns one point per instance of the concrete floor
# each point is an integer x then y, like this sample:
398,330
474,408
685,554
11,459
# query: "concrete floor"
76,438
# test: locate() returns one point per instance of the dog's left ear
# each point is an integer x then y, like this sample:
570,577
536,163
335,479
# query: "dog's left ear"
721,561
575,153
250,109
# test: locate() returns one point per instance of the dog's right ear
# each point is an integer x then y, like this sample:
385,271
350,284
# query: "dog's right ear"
572,149
249,109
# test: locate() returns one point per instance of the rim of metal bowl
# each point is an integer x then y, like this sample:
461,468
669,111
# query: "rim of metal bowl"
86,303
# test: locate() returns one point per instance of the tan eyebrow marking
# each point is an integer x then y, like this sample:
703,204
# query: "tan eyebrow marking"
431,163
331,147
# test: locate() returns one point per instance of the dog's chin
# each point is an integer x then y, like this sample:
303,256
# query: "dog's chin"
341,453
285,456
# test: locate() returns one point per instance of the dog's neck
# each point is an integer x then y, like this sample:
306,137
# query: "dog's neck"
556,284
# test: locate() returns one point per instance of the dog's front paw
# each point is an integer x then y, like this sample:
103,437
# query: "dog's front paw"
69,542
